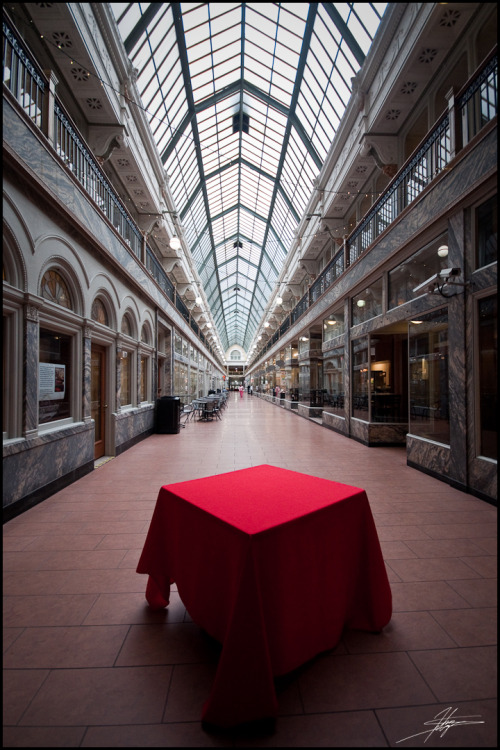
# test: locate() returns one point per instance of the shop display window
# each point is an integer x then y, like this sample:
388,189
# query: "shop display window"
333,326
416,269
54,376
143,386
177,343
428,360
367,304
488,369
486,232
360,378
126,379
333,381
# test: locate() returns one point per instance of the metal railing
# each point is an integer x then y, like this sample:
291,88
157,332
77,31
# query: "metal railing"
477,105
28,84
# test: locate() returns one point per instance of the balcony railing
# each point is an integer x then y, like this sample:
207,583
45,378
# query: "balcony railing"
29,86
477,105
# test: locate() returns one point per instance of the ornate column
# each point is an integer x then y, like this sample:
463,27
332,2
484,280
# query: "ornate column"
31,347
87,375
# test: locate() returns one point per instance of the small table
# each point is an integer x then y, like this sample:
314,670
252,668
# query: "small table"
273,564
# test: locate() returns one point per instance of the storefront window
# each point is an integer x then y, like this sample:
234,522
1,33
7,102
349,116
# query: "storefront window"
144,379
486,231
428,357
333,381
367,304
417,269
54,377
181,380
488,374
193,380
177,343
360,378
126,380
333,326
388,377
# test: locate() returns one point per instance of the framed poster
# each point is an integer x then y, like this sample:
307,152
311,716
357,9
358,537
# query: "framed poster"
52,382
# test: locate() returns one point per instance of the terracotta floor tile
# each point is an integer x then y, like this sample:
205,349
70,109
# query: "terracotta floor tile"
173,643
185,734
43,736
459,674
477,593
88,697
401,723
19,688
87,663
132,608
469,627
49,610
412,596
406,631
60,648
439,569
362,681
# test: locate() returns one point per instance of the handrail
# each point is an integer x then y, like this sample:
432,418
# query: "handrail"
29,86
429,158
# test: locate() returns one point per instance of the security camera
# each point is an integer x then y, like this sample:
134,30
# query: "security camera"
445,273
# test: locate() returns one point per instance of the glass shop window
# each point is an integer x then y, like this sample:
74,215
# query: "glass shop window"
143,385
488,376
333,381
486,232
54,377
416,269
428,360
185,348
126,379
360,379
389,377
333,326
181,380
177,343
367,304
193,381
304,344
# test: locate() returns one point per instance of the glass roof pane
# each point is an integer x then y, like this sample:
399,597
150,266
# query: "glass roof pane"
241,195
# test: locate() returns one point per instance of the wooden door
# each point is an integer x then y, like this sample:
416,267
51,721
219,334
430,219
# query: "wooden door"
98,397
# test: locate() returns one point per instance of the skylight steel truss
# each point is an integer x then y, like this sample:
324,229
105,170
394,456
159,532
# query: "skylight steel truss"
244,101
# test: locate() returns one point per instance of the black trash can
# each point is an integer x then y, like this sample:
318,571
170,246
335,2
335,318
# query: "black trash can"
168,415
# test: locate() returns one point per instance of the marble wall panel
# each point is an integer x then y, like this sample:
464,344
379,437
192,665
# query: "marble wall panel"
333,421
32,464
132,423
432,457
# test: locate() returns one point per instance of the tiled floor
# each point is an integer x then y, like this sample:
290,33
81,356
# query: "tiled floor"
87,664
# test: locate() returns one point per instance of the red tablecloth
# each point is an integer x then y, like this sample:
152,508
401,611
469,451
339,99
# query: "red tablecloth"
273,564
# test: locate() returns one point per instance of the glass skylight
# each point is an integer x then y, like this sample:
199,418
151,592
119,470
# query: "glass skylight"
244,100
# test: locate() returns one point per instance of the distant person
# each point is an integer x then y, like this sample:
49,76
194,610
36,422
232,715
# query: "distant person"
251,390
241,391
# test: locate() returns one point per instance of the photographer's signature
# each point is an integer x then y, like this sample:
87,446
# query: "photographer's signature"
443,721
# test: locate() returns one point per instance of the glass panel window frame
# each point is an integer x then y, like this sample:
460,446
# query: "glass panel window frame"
428,362
333,381
416,269
127,373
368,303
486,231
59,385
333,325
486,380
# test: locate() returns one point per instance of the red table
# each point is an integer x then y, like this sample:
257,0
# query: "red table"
273,564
